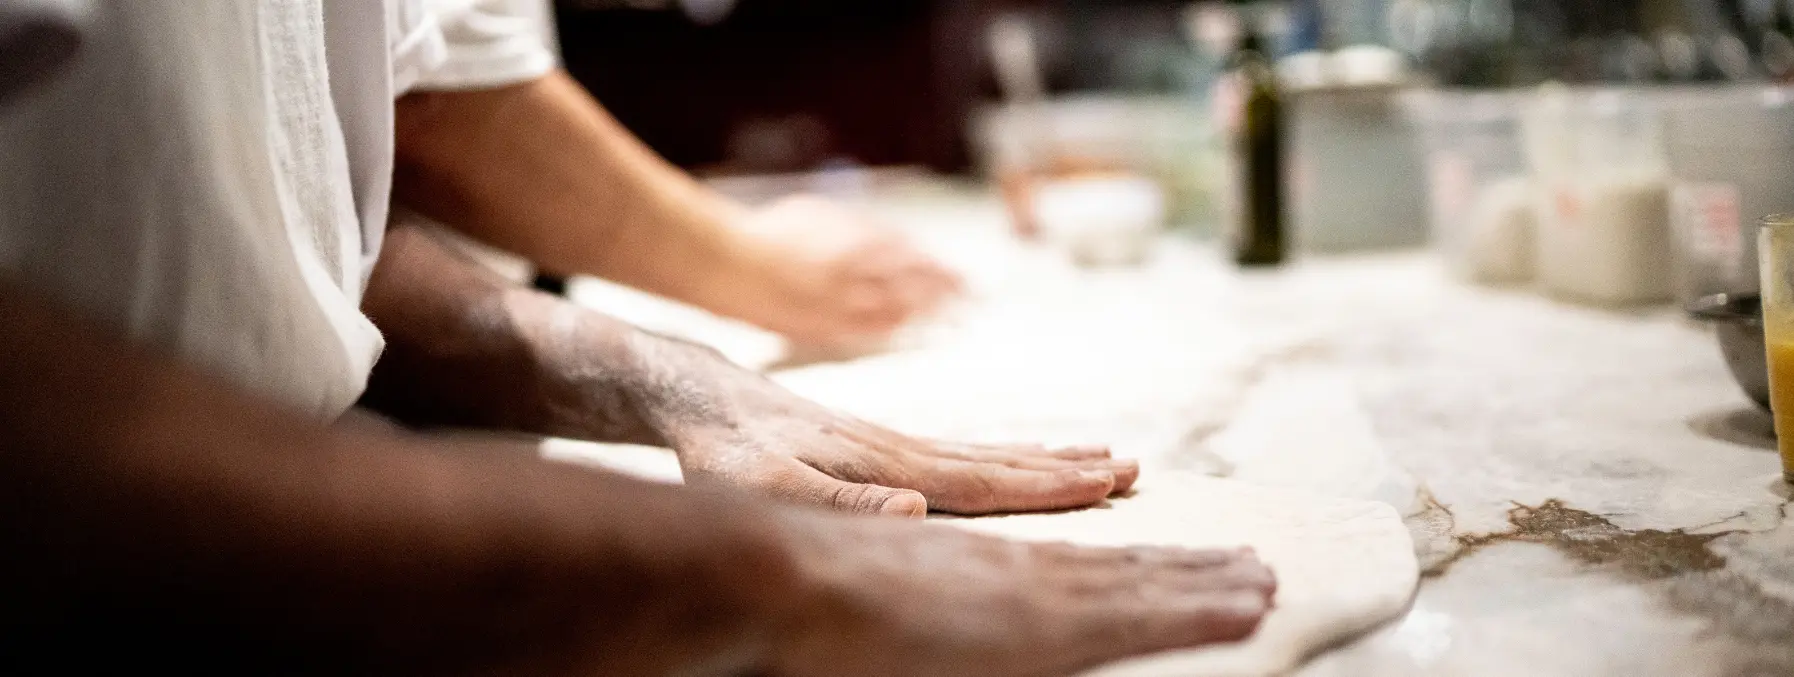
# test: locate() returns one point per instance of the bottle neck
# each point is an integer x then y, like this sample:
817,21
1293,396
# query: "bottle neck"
1251,54
1252,43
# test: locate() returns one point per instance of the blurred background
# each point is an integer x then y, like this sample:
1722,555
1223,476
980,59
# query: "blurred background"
1473,125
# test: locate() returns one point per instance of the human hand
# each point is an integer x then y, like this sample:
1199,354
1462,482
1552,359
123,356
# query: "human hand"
734,427
821,273
897,598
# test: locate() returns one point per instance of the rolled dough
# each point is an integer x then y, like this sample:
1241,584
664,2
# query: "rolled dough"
1343,565
1305,428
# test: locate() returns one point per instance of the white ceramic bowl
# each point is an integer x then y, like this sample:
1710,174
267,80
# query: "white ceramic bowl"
1101,220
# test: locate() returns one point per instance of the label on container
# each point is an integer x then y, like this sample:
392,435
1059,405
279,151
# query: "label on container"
1565,205
1229,103
1708,223
1451,180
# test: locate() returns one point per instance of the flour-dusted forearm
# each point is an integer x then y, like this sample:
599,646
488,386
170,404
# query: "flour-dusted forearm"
465,348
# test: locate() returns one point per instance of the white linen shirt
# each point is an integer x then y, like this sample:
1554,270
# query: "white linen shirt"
213,178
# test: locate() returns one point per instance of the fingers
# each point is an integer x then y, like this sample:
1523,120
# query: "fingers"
1036,457
1126,471
1239,573
896,502
895,285
973,488
950,280
1163,599
931,282
977,480
881,305
872,309
808,486
1192,620
1156,571
1081,452
1069,557
921,292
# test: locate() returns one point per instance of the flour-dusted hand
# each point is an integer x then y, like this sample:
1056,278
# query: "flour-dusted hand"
896,598
734,427
821,273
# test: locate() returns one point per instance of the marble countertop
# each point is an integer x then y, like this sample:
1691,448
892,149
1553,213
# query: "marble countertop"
1594,495
1600,499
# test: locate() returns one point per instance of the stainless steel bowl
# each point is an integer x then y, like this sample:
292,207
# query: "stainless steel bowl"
1739,321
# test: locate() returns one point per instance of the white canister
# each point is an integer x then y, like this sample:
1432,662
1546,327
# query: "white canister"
1479,190
1602,197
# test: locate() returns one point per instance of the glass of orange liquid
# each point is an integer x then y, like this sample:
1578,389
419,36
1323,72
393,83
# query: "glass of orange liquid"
1775,258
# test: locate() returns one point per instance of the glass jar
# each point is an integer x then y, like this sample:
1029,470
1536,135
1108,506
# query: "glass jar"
1775,252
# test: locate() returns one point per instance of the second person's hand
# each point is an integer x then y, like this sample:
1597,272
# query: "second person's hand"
823,273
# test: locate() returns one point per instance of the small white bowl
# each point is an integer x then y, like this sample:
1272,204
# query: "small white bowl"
1102,220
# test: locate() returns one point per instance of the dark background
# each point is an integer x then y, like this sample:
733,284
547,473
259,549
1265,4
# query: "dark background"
784,85
787,85
792,85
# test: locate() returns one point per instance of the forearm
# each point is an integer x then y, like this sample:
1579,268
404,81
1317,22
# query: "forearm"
542,170
149,506
466,348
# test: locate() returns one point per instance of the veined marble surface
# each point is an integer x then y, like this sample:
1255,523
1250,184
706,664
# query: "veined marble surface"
1589,491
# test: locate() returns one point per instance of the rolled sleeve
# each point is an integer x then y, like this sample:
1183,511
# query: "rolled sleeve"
490,43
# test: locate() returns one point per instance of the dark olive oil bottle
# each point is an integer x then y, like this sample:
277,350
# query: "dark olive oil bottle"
1259,237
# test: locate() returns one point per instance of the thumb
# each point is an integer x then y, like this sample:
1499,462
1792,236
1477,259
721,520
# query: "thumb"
860,499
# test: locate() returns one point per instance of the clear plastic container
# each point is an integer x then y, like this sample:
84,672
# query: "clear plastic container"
1355,170
1601,196
1168,139
1479,191
1731,153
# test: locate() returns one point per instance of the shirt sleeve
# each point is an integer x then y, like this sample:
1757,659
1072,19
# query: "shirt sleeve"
182,180
491,43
